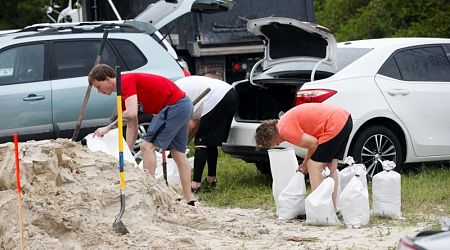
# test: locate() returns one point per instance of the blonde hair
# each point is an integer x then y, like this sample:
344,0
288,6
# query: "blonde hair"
266,133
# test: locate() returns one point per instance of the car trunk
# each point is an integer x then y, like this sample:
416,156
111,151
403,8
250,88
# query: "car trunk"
264,102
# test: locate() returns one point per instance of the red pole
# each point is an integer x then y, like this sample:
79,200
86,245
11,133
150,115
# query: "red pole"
16,153
19,191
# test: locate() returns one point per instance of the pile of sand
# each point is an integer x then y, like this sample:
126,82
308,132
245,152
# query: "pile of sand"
71,197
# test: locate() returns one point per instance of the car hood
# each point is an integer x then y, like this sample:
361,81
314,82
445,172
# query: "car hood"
288,40
165,11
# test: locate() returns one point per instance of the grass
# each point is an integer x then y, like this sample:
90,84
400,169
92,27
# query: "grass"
425,190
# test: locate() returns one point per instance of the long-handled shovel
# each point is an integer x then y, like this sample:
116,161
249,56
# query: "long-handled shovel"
118,225
164,161
88,90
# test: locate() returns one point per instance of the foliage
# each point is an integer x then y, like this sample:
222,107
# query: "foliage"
364,19
20,13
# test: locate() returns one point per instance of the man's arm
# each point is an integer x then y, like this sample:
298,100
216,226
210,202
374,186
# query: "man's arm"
194,124
131,114
310,143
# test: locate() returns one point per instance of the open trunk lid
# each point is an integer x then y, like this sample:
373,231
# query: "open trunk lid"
163,12
289,40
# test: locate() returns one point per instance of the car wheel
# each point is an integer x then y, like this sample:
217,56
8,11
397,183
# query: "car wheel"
142,131
375,144
263,167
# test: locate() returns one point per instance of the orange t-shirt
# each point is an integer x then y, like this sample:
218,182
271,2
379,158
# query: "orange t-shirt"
321,120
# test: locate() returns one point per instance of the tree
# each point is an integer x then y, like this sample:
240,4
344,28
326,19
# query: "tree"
364,19
20,13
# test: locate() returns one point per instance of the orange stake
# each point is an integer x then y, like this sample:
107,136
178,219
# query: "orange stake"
19,190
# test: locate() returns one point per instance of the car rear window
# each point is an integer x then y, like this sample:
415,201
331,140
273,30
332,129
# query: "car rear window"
346,56
131,55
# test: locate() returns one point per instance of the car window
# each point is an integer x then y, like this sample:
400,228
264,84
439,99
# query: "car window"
131,55
423,64
76,58
447,50
390,69
22,64
345,56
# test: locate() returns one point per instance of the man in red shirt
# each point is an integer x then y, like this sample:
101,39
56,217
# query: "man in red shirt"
159,96
323,129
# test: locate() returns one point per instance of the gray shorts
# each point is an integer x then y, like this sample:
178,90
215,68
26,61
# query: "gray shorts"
169,128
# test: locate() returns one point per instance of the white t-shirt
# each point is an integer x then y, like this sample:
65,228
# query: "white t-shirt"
194,86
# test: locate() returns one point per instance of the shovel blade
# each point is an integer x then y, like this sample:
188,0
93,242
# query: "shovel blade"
120,228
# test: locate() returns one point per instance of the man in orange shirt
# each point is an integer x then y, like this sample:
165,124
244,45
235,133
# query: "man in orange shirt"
322,129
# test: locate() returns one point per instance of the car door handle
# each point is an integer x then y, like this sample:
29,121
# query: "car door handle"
394,92
33,97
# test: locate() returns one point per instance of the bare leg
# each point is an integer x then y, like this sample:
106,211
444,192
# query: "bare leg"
149,157
333,173
315,173
185,173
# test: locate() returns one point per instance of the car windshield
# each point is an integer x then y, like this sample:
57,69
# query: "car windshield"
345,56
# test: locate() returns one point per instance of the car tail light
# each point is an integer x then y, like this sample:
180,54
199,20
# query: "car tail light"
313,95
186,72
405,244
184,67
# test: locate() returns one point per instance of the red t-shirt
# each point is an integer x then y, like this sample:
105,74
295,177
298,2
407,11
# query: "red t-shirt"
321,120
153,92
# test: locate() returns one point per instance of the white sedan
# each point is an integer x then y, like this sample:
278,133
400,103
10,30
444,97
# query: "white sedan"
397,90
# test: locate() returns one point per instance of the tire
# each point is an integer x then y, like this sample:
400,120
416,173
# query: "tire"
377,143
263,167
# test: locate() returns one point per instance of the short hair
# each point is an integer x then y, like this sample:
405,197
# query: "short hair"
99,73
266,133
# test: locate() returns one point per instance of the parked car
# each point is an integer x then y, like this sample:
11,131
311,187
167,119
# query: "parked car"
44,68
428,240
397,90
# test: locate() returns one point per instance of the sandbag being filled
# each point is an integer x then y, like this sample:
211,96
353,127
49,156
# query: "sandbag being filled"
283,164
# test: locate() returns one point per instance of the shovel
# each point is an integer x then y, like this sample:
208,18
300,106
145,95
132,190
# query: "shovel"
88,90
118,225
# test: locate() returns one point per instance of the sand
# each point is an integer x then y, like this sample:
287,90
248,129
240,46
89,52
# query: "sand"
71,197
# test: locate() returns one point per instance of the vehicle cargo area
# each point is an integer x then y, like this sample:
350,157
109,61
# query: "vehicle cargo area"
258,103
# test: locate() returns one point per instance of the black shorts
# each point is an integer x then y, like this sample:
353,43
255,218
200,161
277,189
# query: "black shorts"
215,125
334,148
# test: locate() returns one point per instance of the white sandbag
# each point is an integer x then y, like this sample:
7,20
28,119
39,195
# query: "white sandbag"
319,206
283,164
109,144
291,201
354,202
173,176
347,174
386,192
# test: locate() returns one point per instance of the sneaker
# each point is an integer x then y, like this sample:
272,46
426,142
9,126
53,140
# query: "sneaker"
191,203
195,190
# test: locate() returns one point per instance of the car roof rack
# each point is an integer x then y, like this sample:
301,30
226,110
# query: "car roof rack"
74,28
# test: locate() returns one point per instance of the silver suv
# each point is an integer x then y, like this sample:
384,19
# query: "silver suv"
44,68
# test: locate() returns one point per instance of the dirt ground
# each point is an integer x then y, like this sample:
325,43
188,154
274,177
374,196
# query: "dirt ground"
71,197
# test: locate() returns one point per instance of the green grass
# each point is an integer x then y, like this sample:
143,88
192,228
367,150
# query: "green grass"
425,190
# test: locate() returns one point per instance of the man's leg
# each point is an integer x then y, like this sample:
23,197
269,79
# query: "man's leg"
213,154
315,173
200,158
149,157
333,173
184,169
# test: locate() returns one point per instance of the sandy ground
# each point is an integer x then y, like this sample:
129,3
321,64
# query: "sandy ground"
71,197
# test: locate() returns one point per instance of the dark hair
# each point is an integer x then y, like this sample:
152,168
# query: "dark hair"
266,133
99,73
